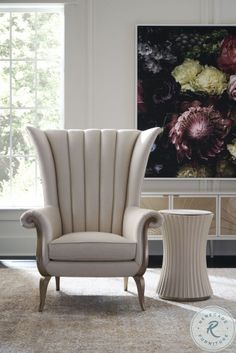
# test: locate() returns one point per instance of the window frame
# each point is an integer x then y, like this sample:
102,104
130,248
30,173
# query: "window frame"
40,7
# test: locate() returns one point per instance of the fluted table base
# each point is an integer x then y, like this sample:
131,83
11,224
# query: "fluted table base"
184,272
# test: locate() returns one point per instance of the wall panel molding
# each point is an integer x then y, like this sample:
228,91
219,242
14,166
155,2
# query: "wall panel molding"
217,10
210,11
90,62
75,65
204,11
18,246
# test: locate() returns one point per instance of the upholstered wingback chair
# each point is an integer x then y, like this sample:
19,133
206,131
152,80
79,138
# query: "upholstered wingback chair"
91,224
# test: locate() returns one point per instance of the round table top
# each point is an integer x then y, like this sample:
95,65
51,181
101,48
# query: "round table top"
185,212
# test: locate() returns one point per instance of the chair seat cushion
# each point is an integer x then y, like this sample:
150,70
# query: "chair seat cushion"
92,246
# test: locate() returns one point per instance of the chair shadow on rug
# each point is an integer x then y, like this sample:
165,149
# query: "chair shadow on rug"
99,304
2,265
91,224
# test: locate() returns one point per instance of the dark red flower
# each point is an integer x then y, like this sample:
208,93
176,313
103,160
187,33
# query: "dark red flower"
185,105
227,57
141,104
159,90
199,133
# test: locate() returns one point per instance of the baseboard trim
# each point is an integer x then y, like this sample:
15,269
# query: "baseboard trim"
155,261
17,257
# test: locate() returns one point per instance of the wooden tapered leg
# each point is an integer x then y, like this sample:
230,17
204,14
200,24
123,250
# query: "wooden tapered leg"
57,283
43,285
126,283
140,287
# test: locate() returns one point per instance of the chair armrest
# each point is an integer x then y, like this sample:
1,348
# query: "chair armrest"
47,221
135,224
135,219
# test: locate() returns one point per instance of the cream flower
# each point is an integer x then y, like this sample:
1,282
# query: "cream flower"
188,171
232,148
210,80
187,87
186,73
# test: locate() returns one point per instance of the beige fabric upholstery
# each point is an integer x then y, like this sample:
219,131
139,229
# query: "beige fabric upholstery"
47,220
92,268
135,219
91,223
138,164
92,246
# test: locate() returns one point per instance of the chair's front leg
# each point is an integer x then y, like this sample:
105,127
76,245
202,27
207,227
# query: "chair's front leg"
140,287
43,285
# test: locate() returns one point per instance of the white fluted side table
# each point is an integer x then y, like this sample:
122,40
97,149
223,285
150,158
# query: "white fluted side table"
184,272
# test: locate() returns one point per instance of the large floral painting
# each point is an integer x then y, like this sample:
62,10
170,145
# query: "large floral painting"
187,86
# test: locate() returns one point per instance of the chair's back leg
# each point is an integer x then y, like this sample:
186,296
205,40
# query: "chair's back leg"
126,283
57,283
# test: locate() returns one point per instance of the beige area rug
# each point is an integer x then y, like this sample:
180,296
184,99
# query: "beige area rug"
91,315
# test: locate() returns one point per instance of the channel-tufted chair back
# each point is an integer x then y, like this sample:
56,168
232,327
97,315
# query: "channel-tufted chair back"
92,175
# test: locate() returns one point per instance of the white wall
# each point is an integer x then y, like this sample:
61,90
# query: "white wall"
100,77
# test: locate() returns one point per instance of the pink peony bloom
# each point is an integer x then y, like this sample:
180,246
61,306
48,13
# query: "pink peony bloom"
199,133
232,87
227,57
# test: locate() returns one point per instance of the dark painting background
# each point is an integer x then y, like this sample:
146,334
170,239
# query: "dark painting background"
187,85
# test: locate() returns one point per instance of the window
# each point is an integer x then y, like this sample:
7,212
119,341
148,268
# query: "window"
31,93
